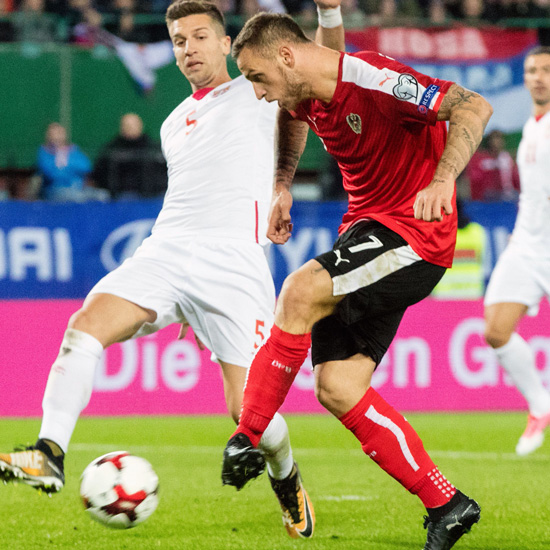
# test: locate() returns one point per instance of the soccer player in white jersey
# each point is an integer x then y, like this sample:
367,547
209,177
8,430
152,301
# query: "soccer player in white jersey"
521,277
203,266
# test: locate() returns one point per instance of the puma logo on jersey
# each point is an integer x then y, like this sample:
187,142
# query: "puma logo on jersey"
382,82
313,119
339,258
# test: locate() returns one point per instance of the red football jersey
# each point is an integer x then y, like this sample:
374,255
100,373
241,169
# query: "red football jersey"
381,128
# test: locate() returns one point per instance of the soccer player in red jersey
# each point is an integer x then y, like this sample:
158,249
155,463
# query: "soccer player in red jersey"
384,123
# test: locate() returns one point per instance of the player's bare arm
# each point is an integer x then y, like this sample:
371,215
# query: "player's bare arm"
331,37
290,137
468,114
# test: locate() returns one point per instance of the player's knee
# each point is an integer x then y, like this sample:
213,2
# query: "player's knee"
81,320
308,292
86,320
329,395
495,337
297,295
324,396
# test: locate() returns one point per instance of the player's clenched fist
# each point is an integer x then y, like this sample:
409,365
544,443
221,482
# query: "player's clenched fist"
279,228
435,201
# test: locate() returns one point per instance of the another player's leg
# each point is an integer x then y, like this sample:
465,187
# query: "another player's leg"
306,297
274,450
103,320
517,358
286,480
390,441
310,294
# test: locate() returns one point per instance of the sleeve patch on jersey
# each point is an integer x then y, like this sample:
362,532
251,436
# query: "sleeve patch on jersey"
427,98
406,88
402,86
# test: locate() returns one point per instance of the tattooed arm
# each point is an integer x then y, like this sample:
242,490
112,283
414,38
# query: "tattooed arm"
290,141
468,114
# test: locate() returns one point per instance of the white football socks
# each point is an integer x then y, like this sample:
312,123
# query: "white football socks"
275,444
517,358
69,386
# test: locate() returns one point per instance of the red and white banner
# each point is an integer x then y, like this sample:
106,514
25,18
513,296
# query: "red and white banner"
437,362
487,60
438,44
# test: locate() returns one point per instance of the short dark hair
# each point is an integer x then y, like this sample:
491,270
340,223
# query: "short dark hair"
184,8
264,30
538,50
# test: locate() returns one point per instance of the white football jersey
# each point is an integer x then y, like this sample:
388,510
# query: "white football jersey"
532,229
219,150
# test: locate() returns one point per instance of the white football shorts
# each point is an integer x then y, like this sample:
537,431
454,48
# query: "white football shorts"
223,289
519,278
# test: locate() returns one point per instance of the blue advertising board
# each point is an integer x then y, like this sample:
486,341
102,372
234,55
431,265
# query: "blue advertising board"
50,250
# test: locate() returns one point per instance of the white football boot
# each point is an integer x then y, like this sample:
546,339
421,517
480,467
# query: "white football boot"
533,436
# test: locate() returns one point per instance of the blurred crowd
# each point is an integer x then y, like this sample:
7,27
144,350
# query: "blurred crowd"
142,20
131,166
128,164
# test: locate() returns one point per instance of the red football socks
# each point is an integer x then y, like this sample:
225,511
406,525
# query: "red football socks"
387,438
269,379
433,489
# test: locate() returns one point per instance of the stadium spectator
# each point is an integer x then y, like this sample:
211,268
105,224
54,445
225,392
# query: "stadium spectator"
84,21
385,125
492,171
124,26
521,277
64,168
33,24
203,266
7,32
4,190
383,12
131,165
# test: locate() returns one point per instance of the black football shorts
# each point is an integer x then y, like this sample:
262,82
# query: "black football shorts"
381,276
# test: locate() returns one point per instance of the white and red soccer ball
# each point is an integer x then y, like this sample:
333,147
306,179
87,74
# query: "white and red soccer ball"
119,490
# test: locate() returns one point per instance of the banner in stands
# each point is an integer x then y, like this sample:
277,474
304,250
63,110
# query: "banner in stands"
437,362
487,60
62,250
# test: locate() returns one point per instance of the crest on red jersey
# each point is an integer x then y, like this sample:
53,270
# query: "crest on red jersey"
354,122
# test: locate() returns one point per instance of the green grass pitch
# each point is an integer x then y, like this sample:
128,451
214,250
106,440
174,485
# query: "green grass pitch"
357,505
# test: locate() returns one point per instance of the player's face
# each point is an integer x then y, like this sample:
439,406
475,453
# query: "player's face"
272,79
537,78
200,50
